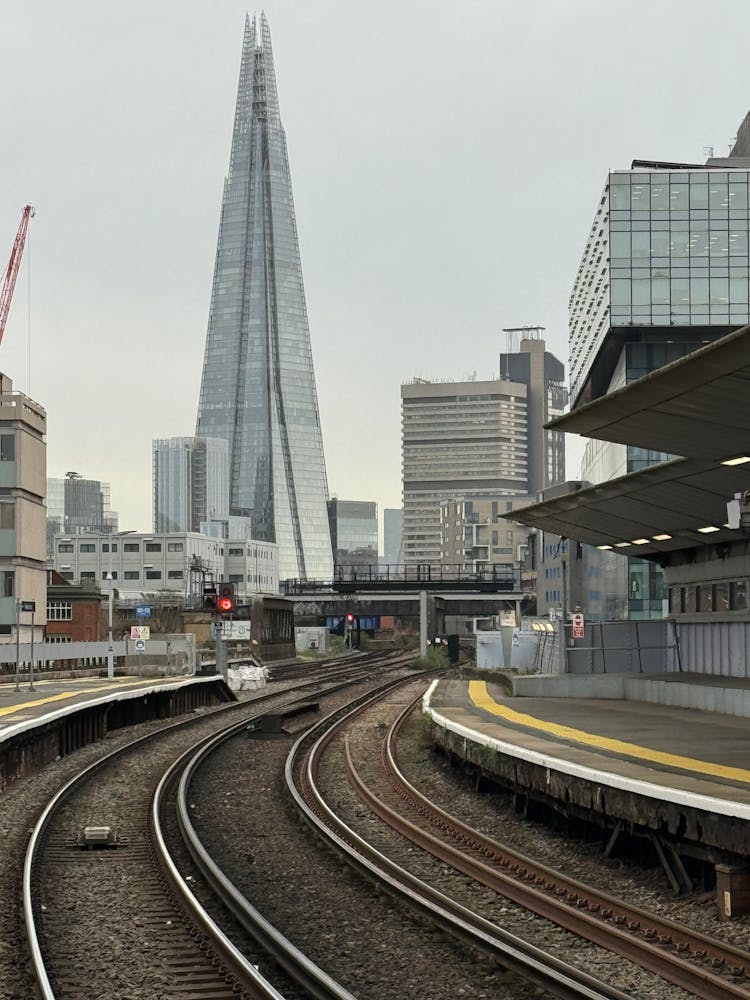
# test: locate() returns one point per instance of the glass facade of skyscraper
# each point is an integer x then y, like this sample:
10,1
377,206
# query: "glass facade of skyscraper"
258,389
665,270
668,248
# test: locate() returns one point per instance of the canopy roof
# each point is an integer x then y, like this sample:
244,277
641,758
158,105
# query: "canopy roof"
697,407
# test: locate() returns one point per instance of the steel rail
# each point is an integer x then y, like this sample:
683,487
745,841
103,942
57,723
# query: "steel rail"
562,899
530,962
36,839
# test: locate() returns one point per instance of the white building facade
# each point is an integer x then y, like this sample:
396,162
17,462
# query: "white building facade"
172,564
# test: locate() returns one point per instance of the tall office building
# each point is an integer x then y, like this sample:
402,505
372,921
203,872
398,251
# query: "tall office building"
665,270
258,388
190,482
354,532
479,440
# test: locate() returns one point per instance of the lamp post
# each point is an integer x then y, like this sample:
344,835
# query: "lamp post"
110,649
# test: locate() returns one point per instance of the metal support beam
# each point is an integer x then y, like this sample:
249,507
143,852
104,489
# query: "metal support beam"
423,623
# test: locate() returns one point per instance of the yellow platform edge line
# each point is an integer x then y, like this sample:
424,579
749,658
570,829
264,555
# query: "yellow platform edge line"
63,695
481,697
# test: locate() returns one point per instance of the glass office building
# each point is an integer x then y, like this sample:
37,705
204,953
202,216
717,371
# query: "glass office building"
664,271
190,482
258,388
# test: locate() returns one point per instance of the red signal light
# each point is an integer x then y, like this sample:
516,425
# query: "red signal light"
226,604
350,617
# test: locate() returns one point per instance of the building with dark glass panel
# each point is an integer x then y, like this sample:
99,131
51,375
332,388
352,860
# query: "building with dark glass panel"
354,532
258,388
665,270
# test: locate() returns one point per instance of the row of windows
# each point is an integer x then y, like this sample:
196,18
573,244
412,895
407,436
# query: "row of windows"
126,547
59,611
724,596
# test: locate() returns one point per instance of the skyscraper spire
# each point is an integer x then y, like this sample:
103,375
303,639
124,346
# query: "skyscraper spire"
258,387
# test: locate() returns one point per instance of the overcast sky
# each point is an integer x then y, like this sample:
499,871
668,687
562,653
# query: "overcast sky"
447,160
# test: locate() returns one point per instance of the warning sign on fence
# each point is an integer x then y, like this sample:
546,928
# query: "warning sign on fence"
578,625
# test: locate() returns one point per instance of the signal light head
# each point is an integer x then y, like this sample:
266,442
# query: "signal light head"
225,604
350,617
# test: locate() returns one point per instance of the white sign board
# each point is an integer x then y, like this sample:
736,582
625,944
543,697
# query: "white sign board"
140,645
578,626
235,630
140,632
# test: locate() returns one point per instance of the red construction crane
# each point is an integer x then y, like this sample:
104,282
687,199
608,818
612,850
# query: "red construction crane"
9,281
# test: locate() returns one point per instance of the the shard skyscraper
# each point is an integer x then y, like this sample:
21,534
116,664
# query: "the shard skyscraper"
258,387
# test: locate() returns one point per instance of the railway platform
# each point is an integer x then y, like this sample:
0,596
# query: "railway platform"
677,778
58,716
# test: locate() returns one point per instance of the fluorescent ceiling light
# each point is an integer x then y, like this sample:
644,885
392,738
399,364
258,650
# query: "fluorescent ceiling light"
708,529
737,461
621,545
640,541
661,538
604,547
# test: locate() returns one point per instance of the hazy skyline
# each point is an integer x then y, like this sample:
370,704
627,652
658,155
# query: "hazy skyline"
446,163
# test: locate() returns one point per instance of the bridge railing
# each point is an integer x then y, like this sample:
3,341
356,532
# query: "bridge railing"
420,576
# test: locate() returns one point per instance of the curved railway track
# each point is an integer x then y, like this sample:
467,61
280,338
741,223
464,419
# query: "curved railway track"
557,978
702,965
139,879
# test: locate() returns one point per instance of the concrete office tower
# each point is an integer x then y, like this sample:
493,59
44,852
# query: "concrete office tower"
23,468
354,532
258,389
665,270
479,440
190,482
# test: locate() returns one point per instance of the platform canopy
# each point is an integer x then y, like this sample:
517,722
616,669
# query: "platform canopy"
678,505
697,408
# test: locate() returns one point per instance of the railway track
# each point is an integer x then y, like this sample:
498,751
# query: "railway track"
700,964
90,911
557,978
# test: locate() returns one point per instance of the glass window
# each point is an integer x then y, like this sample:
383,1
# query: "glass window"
660,290
641,242
7,515
737,195
88,547
678,196
738,288
131,574
7,447
703,594
721,596
698,195
620,291
88,574
65,547
719,290
699,291
680,243
175,574
619,244
718,195
639,197
236,552
660,243
131,547
174,547
153,546
7,582
680,290
738,595
619,196
153,574
659,195
59,611
641,291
